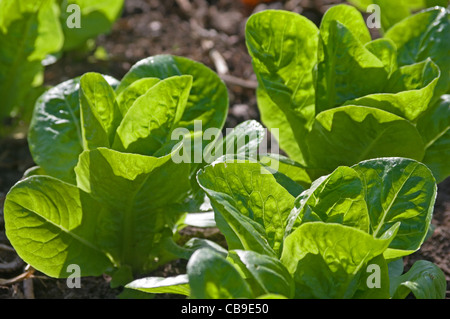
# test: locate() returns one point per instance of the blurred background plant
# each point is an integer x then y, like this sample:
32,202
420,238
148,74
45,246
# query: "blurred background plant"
33,35
392,12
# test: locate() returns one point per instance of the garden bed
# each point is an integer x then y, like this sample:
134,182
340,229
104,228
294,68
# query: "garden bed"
213,33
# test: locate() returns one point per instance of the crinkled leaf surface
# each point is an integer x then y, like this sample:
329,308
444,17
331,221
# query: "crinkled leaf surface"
324,259
120,215
425,35
346,68
136,89
373,196
208,98
434,126
403,74
251,214
206,107
425,280
399,190
336,198
347,135
147,125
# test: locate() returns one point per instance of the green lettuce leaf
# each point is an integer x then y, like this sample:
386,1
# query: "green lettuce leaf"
46,221
349,134
243,140
425,280
355,71
392,12
120,216
399,190
251,214
148,124
170,285
390,86
343,238
266,275
29,30
96,115
283,63
373,196
434,126
208,98
296,172
408,92
138,88
55,139
274,119
135,223
336,198
96,17
386,51
211,276
374,281
321,272
99,113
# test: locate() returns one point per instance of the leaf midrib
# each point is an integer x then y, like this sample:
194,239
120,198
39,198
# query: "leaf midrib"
64,230
75,121
386,211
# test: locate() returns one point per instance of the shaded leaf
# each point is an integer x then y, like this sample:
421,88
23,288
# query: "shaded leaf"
45,221
425,280
211,276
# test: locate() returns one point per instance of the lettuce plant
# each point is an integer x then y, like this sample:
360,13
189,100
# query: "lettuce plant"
344,237
342,97
107,194
97,17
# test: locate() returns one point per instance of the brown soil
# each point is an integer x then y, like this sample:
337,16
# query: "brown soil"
150,27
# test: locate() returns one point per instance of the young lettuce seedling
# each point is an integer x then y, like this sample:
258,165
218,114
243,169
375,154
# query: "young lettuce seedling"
342,238
344,98
107,194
